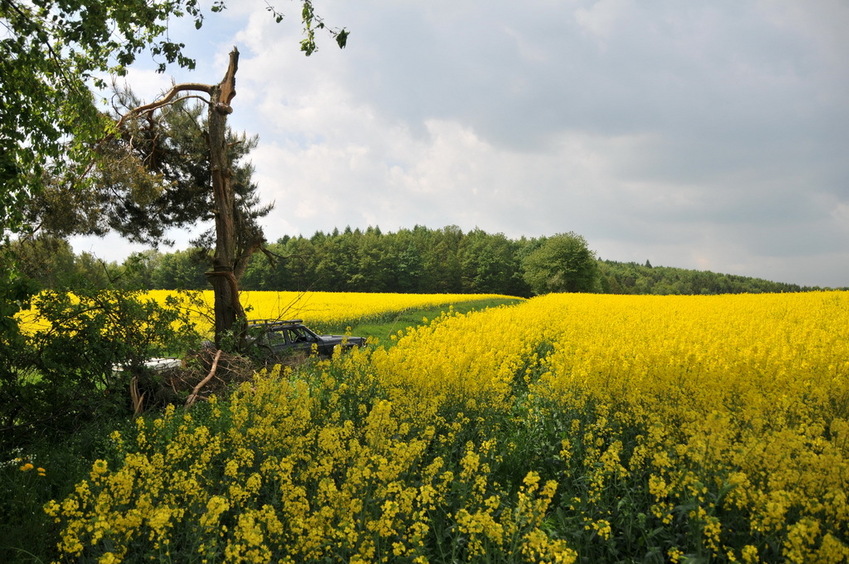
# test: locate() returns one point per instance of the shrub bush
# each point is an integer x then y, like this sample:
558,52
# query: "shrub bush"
63,367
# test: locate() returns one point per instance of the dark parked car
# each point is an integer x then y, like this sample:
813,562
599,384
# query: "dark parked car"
279,339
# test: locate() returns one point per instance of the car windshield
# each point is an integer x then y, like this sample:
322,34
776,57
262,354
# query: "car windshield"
299,335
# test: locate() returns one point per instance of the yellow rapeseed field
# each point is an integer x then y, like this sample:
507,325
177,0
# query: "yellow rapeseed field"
341,307
325,308
599,427
321,308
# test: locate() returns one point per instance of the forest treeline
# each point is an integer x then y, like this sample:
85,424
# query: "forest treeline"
417,260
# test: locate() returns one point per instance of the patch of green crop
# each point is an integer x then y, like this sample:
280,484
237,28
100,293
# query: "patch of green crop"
385,326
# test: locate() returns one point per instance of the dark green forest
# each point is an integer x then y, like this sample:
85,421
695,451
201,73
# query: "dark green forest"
417,260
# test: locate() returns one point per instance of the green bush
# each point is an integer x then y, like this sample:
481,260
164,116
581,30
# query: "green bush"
64,371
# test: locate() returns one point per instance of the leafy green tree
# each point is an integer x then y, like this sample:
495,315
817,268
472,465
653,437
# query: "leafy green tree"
634,278
181,270
491,264
51,51
264,274
375,262
137,270
50,263
46,260
156,176
298,264
336,256
441,262
93,273
408,266
563,263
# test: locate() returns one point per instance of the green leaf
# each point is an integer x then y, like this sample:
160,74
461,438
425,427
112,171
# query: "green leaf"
342,38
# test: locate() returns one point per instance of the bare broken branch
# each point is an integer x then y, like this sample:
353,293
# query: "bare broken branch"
193,396
228,83
176,89
138,399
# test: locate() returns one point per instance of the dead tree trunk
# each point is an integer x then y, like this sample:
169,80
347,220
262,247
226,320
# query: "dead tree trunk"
228,309
222,277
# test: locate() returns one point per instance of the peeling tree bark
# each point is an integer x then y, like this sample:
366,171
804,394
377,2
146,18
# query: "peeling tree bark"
228,309
223,276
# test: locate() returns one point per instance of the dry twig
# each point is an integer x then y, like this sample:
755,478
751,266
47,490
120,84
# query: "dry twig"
203,382
138,400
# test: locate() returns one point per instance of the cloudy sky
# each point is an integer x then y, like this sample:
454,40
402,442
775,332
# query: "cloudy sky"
708,134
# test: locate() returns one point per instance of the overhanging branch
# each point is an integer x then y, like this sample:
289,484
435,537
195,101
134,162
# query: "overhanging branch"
165,100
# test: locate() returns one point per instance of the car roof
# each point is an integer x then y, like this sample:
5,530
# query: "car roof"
275,322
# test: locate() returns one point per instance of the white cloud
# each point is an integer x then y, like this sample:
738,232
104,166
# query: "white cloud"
705,135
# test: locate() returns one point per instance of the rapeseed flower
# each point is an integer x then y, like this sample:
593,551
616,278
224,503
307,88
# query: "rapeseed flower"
717,421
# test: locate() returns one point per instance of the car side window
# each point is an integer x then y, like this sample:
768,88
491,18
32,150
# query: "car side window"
276,338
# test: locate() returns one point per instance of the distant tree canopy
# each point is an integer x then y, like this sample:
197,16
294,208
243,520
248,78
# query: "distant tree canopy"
562,263
417,260
632,278
50,263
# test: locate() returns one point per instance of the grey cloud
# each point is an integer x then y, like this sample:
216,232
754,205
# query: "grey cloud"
708,134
